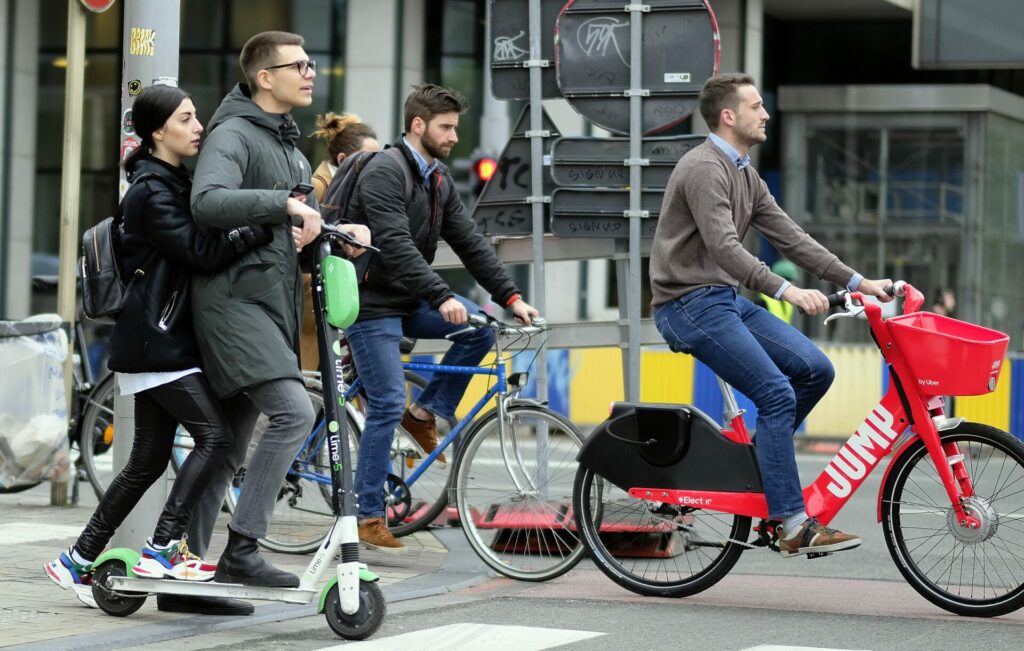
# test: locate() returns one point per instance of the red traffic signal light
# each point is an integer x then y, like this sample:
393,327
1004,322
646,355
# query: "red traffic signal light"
484,168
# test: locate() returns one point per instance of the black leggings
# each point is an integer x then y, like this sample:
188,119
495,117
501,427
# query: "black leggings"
191,402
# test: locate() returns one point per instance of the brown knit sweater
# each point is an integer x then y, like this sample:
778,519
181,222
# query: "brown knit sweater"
707,209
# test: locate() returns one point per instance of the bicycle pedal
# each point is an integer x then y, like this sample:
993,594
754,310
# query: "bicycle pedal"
819,554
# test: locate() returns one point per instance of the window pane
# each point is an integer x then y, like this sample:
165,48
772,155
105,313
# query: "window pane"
101,30
461,27
202,24
200,75
250,17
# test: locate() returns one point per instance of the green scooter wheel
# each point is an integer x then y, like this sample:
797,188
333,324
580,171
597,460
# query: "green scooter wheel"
364,622
110,602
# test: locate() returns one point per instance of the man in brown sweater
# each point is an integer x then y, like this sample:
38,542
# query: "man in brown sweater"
697,260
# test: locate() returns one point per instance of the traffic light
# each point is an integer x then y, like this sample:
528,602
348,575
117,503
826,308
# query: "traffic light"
480,172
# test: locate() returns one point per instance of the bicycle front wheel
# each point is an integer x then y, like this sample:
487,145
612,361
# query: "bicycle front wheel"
302,513
514,490
655,549
972,572
96,435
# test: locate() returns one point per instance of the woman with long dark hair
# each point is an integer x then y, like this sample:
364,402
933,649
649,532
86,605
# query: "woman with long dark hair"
153,348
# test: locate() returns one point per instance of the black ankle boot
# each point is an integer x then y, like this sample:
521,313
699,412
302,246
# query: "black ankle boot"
241,563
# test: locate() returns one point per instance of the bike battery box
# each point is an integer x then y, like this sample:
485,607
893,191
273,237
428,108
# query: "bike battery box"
341,291
668,446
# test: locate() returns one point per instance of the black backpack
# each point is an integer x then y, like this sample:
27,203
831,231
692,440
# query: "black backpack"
103,289
334,208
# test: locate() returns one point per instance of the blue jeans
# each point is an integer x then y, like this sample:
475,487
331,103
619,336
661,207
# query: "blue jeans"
374,345
766,359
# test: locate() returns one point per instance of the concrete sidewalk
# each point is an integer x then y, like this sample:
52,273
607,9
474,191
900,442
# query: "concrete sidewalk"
35,614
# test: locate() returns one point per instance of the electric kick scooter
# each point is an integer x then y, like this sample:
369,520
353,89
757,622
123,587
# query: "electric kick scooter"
351,601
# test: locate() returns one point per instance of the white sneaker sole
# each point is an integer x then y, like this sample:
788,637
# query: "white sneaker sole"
384,550
822,549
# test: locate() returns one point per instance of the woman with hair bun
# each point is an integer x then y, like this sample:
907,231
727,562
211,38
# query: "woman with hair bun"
344,134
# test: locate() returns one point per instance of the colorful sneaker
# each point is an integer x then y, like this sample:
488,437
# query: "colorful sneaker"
66,573
812,537
174,561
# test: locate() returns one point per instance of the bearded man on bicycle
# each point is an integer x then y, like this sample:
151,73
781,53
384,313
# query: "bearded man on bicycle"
697,260
407,198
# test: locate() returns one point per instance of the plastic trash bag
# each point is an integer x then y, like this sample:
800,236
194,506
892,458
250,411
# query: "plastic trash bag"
33,408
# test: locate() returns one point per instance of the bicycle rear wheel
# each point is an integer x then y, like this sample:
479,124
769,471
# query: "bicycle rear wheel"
513,502
302,513
972,572
96,435
653,548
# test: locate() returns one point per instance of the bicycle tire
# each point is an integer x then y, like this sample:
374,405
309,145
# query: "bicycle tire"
302,513
523,531
915,510
654,554
95,435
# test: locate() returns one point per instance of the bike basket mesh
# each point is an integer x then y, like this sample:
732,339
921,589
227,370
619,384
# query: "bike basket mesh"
949,357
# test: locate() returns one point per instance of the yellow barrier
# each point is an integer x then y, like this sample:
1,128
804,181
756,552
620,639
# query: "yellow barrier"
992,408
856,389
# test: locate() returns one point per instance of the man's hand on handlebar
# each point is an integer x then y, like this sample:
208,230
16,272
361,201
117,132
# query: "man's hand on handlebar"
454,312
876,288
361,234
310,229
811,301
524,312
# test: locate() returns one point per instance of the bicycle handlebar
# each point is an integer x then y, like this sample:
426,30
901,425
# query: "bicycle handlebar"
335,232
538,324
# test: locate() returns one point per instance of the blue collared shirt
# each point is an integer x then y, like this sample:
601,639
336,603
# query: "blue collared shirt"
730,151
426,169
741,162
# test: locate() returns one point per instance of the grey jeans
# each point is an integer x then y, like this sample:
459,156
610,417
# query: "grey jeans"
290,419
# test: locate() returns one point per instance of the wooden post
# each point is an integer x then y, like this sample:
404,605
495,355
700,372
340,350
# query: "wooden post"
71,166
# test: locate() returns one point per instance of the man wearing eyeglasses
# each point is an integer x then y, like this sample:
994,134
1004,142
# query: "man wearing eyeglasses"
248,317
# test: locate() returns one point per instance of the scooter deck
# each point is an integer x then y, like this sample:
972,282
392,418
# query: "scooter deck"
133,585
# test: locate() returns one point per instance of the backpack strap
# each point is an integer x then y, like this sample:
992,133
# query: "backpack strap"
396,153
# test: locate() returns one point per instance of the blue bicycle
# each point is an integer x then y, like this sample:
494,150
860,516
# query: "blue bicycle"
510,474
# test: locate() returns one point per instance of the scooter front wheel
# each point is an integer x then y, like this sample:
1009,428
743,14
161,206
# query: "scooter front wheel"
111,602
364,622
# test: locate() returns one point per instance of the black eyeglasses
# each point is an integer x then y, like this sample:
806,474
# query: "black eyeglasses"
302,66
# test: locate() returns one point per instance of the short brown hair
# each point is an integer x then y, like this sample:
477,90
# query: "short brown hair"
343,133
719,93
260,51
427,100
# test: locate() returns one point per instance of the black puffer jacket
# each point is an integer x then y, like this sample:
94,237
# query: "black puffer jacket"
154,330
400,277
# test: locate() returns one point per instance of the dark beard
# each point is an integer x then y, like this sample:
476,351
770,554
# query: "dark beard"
431,147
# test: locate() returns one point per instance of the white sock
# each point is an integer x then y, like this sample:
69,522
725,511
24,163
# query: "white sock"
157,547
791,524
78,558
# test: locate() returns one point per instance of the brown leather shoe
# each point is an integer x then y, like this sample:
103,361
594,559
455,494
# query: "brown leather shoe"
812,537
424,432
374,534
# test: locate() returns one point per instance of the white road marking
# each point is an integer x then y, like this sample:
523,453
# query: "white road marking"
781,647
19,533
472,637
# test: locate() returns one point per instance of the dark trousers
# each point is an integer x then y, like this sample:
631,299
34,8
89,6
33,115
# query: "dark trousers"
191,402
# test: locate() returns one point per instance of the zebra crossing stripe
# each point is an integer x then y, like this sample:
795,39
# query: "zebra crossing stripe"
472,637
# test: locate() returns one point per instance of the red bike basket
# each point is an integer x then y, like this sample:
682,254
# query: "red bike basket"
949,357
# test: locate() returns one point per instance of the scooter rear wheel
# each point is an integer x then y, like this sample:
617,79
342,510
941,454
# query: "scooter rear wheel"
364,622
110,602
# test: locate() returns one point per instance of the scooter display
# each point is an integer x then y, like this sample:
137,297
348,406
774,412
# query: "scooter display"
351,600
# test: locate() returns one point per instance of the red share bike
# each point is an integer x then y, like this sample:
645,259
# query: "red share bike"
664,496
